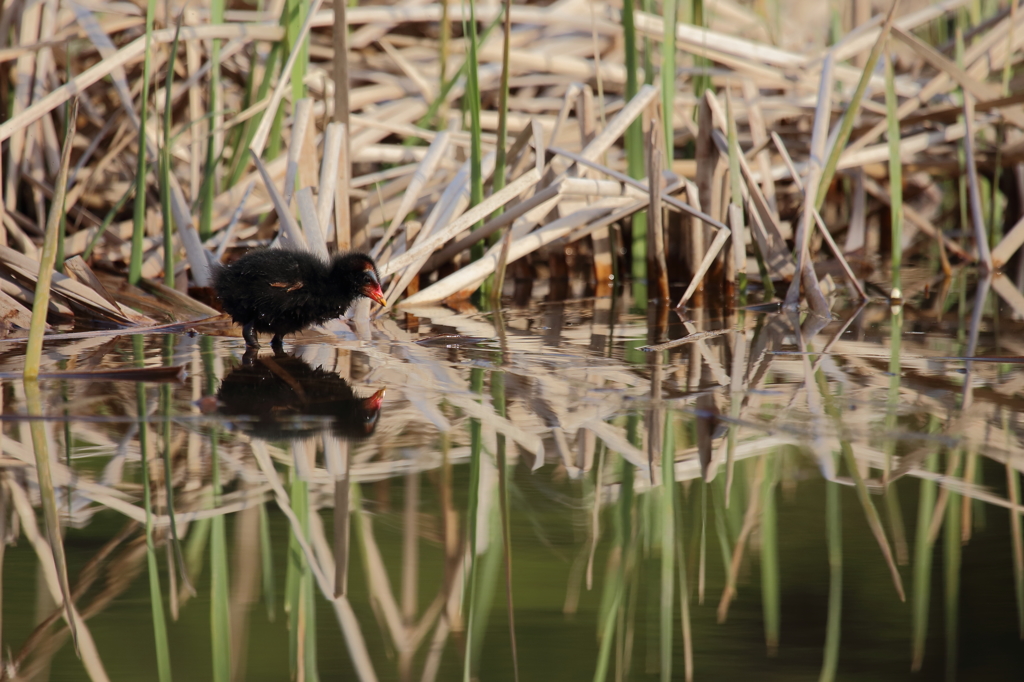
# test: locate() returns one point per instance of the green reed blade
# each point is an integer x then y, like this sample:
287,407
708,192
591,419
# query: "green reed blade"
195,546
476,384
267,563
498,394
107,220
701,83
163,650
141,170
607,626
833,627
166,400
298,596
471,99
427,120
615,584
684,591
846,126
220,608
209,184
736,189
40,305
501,151
1017,537
670,17
668,544
485,590
634,144
895,373
248,132
951,565
717,488
922,580
895,178
48,498
870,512
771,594
443,50
294,15
165,164
62,229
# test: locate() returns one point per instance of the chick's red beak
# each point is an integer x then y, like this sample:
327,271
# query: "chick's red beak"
374,401
373,291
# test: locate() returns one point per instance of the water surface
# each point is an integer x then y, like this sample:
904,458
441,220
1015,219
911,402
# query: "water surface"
845,498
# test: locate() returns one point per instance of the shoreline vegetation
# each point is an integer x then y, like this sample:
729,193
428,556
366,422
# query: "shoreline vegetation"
472,149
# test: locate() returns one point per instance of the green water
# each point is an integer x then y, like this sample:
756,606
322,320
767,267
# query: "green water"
755,420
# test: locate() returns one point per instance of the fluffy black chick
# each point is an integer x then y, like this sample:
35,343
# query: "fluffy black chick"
284,291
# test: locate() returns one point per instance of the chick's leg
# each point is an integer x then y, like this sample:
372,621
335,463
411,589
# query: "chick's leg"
277,345
250,336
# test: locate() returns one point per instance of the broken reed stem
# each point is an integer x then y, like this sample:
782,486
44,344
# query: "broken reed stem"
668,74
342,207
341,81
737,268
657,268
973,189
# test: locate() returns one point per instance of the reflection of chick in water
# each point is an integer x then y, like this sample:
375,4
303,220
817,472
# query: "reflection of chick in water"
277,393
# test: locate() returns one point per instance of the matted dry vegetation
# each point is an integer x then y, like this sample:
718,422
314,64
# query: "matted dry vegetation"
406,174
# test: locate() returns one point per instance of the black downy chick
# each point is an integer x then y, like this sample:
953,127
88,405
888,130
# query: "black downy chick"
284,291
285,398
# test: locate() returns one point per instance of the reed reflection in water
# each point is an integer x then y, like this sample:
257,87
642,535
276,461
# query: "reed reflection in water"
756,495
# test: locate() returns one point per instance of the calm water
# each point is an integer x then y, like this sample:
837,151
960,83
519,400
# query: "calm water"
841,506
